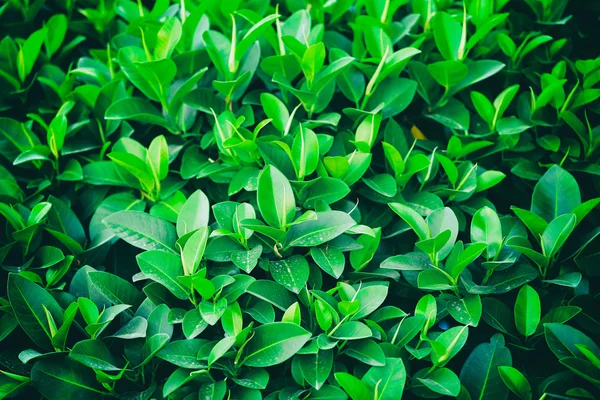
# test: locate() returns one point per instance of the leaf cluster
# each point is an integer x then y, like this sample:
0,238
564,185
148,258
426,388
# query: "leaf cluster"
340,199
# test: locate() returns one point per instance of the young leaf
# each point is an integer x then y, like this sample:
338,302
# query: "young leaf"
448,34
275,198
527,311
516,382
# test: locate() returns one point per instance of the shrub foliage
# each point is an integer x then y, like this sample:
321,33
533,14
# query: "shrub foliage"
300,200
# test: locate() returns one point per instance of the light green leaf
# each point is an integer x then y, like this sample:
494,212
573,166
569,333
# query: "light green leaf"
275,198
527,311
274,343
516,382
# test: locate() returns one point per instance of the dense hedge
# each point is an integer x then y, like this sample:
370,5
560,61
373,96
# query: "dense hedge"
300,200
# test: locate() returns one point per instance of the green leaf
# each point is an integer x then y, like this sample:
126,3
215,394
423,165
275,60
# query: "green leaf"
489,179
275,198
136,166
142,230
211,311
555,194
193,324
566,341
274,343
64,220
479,374
29,52
137,109
384,184
356,389
432,279
583,368
448,344
292,314
536,224
516,382
305,152
330,259
464,258
107,315
426,307
213,391
439,221
114,289
292,273
527,311
134,329
179,378
255,378
486,228
151,77
467,310
30,302
193,250
276,110
570,279
194,213
352,330
366,133
366,351
158,158
412,218
163,268
370,299
556,234
94,354
253,34
62,379
158,322
312,61
360,258
316,367
167,38
247,259
478,71
503,100
271,292
447,33
560,314
327,226
407,329
60,337
57,30
442,381
152,346
453,115
448,73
